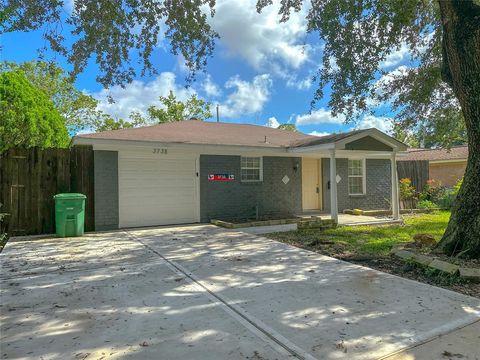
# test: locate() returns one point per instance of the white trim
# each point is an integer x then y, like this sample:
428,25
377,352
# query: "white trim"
376,134
340,144
260,168
210,149
453,161
333,187
305,149
364,176
395,189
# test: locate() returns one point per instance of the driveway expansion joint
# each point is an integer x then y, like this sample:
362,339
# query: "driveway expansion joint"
239,314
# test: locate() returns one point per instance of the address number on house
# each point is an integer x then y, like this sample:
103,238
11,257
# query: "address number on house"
162,151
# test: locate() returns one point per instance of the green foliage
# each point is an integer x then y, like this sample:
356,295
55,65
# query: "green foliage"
377,240
175,110
358,36
78,109
443,128
426,204
289,127
107,123
433,191
27,116
446,201
116,32
407,191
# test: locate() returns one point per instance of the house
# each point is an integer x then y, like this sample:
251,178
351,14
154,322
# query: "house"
194,171
446,166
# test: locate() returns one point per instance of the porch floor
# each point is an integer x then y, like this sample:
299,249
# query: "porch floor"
351,220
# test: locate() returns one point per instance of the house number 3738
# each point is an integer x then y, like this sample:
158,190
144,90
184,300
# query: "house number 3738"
162,151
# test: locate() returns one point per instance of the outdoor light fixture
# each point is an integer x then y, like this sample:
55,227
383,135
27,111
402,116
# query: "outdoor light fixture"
296,166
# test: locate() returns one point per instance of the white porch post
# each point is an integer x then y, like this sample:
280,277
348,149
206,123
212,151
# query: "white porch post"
333,187
395,197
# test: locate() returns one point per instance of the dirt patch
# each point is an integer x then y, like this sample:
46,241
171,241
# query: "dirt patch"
395,266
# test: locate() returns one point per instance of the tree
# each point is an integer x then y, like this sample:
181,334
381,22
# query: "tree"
176,110
443,37
289,127
107,123
27,116
443,90
445,132
78,109
115,31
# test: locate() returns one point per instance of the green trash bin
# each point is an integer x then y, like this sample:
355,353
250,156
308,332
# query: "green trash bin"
69,214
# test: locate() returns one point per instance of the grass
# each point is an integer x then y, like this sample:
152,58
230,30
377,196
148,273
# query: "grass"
367,240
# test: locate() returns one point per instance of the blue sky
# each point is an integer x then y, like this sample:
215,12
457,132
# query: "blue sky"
260,72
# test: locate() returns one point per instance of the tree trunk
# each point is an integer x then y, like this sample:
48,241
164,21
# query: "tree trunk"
461,70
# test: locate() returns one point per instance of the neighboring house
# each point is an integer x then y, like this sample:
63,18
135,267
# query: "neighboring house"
445,165
194,171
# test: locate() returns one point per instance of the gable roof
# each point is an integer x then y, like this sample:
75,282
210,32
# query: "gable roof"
207,133
341,140
455,153
327,139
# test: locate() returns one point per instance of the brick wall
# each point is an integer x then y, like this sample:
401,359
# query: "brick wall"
378,195
447,173
234,199
106,189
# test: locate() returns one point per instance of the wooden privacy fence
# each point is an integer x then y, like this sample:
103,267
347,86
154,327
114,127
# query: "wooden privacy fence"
418,172
415,170
29,178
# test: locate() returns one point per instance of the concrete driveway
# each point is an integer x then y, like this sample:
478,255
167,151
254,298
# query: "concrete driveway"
199,292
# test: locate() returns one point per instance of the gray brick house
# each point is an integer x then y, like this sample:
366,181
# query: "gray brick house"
194,171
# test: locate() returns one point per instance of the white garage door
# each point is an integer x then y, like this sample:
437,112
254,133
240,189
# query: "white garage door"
156,190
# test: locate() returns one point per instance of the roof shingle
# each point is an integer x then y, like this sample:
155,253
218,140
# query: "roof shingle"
455,153
208,133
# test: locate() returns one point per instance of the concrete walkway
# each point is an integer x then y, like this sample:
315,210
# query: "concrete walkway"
201,292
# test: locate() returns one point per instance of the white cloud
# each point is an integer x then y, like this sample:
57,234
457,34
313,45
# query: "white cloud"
384,124
396,57
138,95
210,88
299,84
319,133
244,97
259,38
320,116
247,98
272,122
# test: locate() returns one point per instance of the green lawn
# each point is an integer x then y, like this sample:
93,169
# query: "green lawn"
367,240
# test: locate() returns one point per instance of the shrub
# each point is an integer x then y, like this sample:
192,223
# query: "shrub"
426,204
407,191
433,191
446,201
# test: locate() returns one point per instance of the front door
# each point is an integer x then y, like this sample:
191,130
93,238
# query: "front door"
311,184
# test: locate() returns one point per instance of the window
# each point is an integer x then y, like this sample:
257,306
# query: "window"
356,177
251,169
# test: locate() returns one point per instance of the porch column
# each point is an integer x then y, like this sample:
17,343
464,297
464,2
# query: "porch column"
395,197
333,187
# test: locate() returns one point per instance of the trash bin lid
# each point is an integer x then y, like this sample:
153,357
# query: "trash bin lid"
69,196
